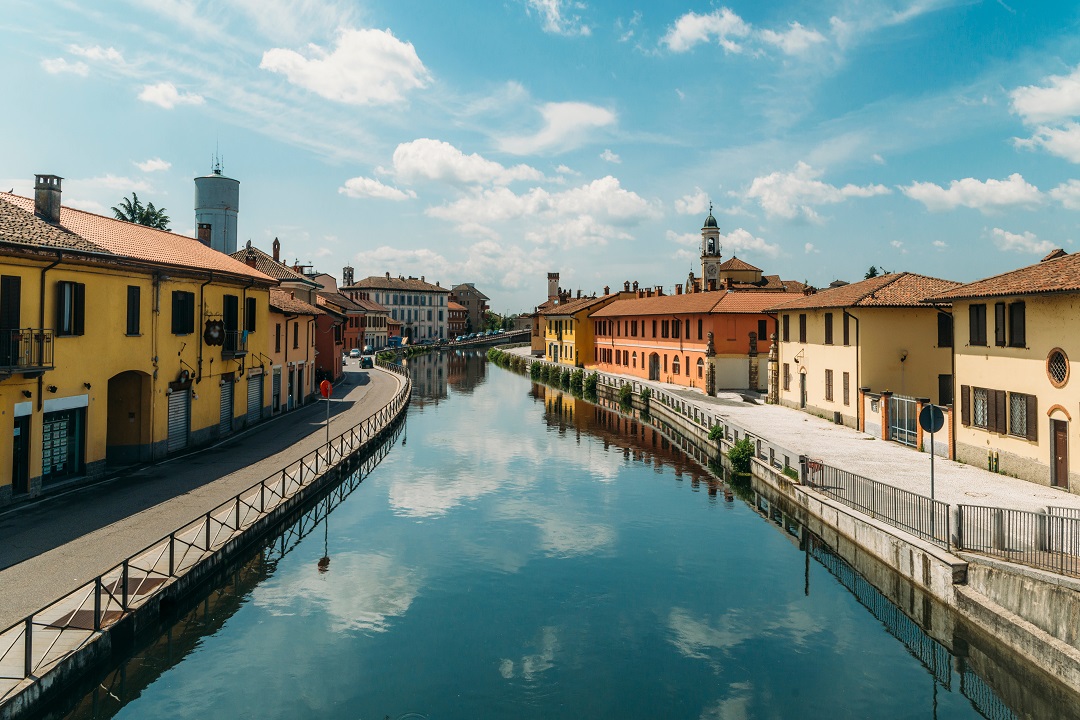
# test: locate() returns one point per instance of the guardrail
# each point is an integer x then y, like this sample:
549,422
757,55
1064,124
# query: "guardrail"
1050,540
32,646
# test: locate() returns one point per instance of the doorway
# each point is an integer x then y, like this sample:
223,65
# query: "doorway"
20,456
654,367
1059,469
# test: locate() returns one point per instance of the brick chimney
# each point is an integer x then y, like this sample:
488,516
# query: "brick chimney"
626,286
729,283
607,290
277,250
387,275
47,197
635,285
678,288
659,291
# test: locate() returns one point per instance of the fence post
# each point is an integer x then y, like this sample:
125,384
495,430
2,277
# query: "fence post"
262,497
124,588
208,532
172,553
28,647
97,603
803,470
957,519
997,529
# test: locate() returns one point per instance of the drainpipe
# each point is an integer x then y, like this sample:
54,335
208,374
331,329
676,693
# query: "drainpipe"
198,331
858,367
41,323
243,309
952,370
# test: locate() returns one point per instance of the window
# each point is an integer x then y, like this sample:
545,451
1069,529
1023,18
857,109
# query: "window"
277,339
183,312
847,388
699,328
296,334
802,327
664,328
675,326
828,329
944,330
250,310
787,375
687,333
847,329
979,401
70,301
1057,367
762,329
977,324
686,364
1023,415
999,324
133,303
633,359
700,368
828,385
675,365
1017,331
653,329
786,335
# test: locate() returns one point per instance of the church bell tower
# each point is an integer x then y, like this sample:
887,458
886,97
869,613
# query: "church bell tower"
710,253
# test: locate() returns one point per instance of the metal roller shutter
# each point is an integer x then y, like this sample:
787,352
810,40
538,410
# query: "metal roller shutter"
254,399
179,419
225,422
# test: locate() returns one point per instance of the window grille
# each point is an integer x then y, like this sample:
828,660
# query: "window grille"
979,403
1018,414
1057,367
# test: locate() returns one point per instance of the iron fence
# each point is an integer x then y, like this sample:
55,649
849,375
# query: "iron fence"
1044,540
30,647
916,514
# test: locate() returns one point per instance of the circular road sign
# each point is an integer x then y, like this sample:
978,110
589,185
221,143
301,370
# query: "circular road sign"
931,419
325,388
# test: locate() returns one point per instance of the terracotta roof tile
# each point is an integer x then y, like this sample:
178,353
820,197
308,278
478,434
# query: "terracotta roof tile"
454,306
268,266
1060,274
574,305
130,240
701,302
736,264
371,306
893,290
285,302
24,228
381,282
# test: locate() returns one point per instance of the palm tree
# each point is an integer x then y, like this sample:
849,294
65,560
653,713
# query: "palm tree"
134,211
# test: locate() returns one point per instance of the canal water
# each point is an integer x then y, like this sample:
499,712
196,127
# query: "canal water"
519,553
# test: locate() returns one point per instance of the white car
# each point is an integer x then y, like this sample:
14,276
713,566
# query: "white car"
354,353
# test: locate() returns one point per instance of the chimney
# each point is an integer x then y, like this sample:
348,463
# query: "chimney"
607,290
659,291
47,197
729,283
641,293
277,250
579,292
678,288
626,286
422,278
250,258
387,275
712,285
635,285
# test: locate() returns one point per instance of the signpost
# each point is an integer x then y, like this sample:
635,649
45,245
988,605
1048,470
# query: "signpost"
325,388
931,419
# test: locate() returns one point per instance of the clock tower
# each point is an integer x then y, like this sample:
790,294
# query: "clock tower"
710,253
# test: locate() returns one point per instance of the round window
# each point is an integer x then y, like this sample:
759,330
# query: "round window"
1057,367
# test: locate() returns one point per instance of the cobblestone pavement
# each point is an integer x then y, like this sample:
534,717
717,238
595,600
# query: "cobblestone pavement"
886,462
53,546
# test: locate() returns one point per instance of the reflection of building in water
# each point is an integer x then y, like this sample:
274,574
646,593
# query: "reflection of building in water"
620,433
429,372
467,369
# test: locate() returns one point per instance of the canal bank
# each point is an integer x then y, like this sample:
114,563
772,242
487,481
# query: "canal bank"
40,654
1035,613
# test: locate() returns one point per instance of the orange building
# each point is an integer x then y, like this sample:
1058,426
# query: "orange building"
668,338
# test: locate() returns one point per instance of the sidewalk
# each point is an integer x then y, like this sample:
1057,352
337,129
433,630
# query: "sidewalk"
886,462
53,546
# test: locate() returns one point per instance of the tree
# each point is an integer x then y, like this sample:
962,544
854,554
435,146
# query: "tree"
135,212
871,273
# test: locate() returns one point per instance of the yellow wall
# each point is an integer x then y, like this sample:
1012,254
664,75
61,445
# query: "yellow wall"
289,357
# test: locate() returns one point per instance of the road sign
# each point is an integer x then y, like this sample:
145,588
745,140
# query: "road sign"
325,388
931,419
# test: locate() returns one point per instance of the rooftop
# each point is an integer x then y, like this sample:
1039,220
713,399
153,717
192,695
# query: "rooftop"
384,282
1058,273
285,302
903,289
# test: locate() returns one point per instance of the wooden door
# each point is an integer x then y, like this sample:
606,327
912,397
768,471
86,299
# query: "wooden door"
1060,470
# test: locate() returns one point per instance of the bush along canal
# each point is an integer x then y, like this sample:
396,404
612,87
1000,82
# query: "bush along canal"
525,553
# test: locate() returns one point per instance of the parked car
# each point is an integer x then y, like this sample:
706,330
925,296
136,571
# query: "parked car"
366,362
354,353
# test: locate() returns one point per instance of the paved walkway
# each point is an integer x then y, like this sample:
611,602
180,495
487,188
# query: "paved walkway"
887,462
53,546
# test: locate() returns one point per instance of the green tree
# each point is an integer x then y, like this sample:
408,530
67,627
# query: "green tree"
135,212
871,273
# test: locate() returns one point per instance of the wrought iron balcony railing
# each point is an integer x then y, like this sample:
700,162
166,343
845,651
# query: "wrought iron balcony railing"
235,344
24,350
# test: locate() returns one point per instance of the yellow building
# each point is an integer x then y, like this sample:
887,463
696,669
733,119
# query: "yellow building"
568,336
118,343
1016,337
876,334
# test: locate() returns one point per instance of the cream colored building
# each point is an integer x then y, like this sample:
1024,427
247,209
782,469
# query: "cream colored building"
876,334
1017,335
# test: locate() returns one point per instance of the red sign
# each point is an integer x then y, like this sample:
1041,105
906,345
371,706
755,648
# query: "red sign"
325,388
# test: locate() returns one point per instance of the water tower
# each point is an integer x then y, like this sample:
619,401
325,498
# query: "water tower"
217,200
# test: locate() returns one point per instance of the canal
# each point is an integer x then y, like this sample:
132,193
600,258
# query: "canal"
519,553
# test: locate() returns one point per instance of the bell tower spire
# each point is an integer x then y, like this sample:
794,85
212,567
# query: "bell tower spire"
710,252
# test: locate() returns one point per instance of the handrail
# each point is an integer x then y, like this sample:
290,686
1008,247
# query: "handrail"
69,623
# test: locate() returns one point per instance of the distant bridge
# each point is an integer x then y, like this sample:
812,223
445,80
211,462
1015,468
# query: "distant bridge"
511,336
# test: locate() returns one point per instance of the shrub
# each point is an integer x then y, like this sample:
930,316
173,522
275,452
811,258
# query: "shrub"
740,454
577,381
626,394
716,432
536,369
590,385
564,379
791,472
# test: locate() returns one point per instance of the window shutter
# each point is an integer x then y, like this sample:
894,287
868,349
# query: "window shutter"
1032,418
999,324
1016,325
78,312
1002,412
965,405
59,324
991,411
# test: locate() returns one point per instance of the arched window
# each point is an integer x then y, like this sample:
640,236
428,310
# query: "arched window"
675,365
701,367
633,360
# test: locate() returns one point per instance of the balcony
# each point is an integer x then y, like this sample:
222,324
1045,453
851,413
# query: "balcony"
25,350
235,344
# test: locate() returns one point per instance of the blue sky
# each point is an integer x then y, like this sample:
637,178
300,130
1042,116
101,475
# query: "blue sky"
495,142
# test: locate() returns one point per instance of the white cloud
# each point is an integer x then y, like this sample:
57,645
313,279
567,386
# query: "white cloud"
625,30
1068,194
167,96
114,182
692,29
362,187
940,244
898,245
1024,243
153,165
687,239
795,41
972,193
693,204
1057,99
878,159
97,53
55,66
608,156
366,67
566,170
1061,141
809,248
789,195
558,18
566,126
740,239
427,159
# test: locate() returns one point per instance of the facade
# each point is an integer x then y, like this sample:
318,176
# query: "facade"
703,340
329,340
1015,341
374,318
475,304
568,333
877,335
419,306
458,319
292,351
118,343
